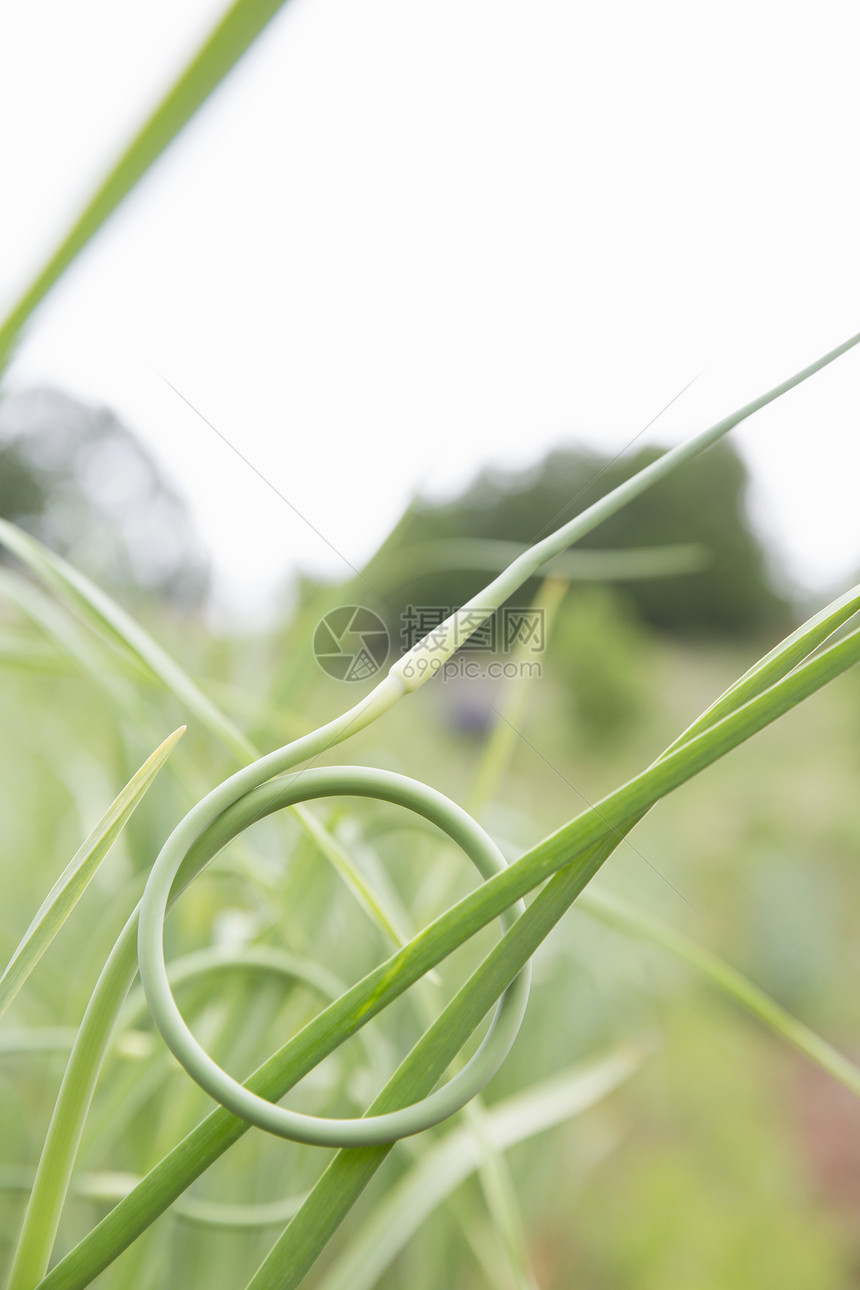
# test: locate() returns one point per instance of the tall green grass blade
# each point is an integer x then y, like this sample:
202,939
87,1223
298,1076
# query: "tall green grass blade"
779,661
626,918
504,736
76,877
448,1162
239,27
118,628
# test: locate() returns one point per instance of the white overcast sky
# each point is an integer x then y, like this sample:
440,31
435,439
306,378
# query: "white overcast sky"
406,239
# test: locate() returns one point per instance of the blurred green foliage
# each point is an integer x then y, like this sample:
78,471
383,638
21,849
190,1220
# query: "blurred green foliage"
601,654
701,1172
734,596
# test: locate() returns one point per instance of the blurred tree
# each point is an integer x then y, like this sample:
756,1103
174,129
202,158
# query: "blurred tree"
704,502
74,476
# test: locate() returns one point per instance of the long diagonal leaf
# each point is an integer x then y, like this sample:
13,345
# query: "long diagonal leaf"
76,877
241,25
112,622
785,656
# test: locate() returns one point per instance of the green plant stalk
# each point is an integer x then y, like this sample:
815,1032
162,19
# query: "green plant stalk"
577,850
503,738
60,1149
823,625
185,847
229,40
428,655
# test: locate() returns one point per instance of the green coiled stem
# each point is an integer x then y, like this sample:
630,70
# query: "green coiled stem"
186,842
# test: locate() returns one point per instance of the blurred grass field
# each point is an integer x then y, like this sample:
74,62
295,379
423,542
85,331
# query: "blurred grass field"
725,1159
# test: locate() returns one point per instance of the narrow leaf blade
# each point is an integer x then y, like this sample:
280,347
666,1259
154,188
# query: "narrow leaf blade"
76,877
239,27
